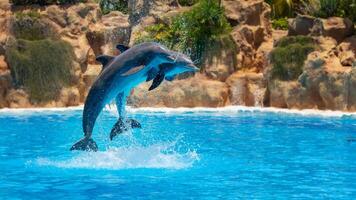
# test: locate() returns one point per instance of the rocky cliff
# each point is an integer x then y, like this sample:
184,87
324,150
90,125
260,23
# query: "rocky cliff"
230,76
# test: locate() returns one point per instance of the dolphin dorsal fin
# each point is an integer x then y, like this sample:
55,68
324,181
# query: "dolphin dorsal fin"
122,47
104,59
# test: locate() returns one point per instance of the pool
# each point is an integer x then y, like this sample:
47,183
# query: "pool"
230,153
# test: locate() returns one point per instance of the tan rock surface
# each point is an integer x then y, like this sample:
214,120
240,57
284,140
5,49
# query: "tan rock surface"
247,89
338,28
18,98
193,92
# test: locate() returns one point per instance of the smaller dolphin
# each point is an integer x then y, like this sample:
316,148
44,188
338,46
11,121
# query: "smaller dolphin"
140,63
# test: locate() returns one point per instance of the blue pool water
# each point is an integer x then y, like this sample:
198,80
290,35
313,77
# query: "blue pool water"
206,154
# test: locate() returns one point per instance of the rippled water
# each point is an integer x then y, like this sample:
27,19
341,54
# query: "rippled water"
200,154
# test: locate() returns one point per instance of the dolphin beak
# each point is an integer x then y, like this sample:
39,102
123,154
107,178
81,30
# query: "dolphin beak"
193,68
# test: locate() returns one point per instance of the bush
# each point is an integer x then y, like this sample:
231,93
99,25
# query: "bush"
191,31
330,8
187,2
340,8
280,24
289,55
42,67
44,2
30,26
107,6
282,8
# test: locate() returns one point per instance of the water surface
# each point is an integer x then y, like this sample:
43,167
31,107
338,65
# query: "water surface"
199,154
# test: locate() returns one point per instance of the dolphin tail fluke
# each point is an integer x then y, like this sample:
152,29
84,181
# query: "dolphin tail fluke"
134,123
120,126
85,144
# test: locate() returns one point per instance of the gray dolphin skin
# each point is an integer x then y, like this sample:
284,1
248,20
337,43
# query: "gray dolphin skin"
120,74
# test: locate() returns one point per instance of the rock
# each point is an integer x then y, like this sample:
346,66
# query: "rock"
58,15
334,27
3,65
324,84
139,29
346,51
88,79
249,12
18,98
5,86
139,9
81,49
292,95
327,44
192,92
352,89
247,89
338,28
114,29
69,97
301,25
220,60
91,73
251,30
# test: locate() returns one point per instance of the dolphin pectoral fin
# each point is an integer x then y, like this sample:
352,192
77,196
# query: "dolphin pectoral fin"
133,123
104,60
118,128
151,74
122,47
157,81
85,144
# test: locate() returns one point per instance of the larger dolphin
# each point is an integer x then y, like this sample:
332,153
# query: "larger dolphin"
140,63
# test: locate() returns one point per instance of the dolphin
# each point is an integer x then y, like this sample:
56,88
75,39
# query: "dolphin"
143,62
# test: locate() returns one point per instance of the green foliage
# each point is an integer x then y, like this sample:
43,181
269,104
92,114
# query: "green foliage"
280,24
317,8
42,67
289,55
347,8
30,26
191,31
44,2
282,8
107,6
340,8
187,2
328,8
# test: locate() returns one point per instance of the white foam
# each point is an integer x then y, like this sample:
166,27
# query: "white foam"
125,158
237,109
227,110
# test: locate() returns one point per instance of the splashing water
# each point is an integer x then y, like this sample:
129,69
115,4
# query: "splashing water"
154,156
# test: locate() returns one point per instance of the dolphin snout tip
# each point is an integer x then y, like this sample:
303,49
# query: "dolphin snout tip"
194,68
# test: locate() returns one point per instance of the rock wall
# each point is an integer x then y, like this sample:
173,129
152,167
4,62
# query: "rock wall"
236,71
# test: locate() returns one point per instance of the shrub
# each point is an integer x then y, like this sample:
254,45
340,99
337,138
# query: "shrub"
187,2
107,6
347,8
42,67
44,2
30,26
289,55
282,8
330,8
191,31
280,24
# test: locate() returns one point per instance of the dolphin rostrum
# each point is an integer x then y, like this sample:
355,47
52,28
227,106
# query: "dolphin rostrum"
140,63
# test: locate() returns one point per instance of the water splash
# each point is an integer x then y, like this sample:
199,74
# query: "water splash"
114,158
